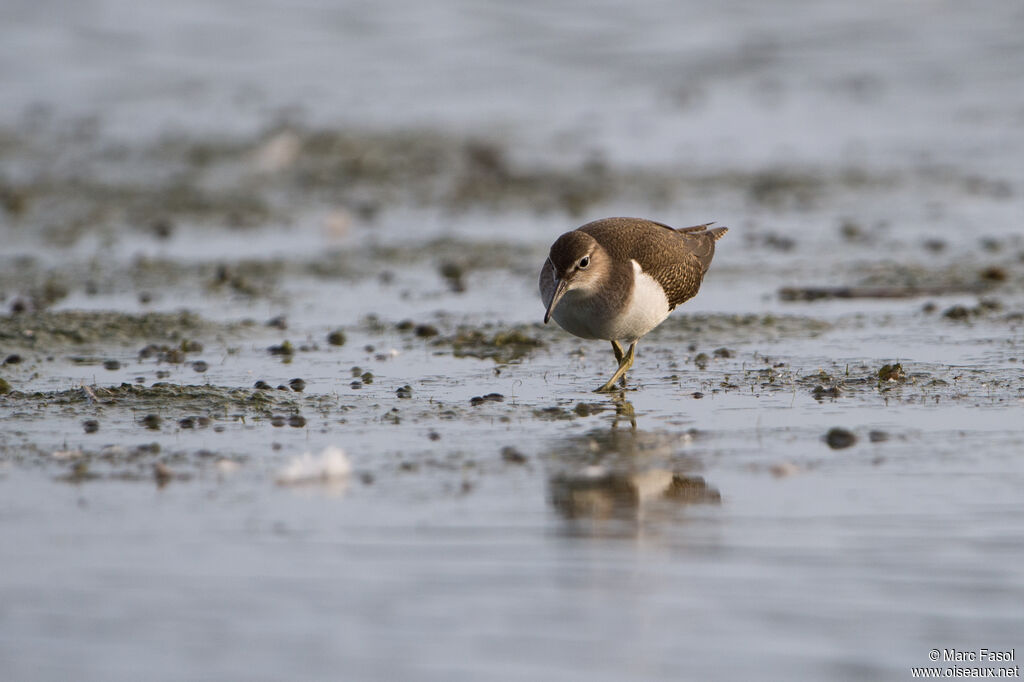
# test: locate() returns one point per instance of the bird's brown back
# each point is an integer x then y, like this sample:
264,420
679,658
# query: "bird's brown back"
678,259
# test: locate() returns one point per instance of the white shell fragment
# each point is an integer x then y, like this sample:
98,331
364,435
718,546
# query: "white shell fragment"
331,465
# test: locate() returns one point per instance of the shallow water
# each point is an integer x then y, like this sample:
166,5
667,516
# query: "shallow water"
287,163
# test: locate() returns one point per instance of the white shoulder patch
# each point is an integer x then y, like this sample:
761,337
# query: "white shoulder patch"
647,308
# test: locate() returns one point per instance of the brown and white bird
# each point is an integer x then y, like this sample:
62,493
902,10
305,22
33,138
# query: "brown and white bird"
619,278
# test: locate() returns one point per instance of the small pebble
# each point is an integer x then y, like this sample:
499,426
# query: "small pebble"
285,348
162,228
12,359
512,456
336,338
993,273
839,438
957,312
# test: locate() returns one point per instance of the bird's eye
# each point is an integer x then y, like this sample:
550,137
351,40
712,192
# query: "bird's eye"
584,262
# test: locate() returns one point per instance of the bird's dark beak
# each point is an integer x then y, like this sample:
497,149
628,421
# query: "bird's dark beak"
563,286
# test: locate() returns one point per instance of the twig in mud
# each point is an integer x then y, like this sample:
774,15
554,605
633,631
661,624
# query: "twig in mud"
89,393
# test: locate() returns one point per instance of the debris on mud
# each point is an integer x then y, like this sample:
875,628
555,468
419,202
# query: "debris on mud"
489,398
831,391
961,313
892,373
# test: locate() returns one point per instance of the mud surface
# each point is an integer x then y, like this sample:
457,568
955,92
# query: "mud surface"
813,467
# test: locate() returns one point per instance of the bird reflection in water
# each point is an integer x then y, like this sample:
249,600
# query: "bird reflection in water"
626,473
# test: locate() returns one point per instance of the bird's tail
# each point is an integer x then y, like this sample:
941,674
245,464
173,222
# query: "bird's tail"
716,233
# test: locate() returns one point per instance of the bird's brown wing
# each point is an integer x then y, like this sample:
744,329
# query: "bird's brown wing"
678,259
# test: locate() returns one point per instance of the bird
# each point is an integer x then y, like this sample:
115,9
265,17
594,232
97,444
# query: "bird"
619,278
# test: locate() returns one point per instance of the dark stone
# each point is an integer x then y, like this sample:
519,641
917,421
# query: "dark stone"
512,456
839,438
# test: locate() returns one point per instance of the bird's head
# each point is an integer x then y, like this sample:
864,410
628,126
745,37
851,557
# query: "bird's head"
578,263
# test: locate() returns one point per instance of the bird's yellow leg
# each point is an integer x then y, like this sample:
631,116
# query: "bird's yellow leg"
624,365
617,349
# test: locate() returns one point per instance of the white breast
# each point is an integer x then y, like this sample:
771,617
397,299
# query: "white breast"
648,307
583,314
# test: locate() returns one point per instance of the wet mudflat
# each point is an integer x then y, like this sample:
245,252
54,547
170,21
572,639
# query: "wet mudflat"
814,468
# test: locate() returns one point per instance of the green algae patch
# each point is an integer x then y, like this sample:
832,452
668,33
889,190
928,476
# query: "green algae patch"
741,327
160,398
75,327
504,345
